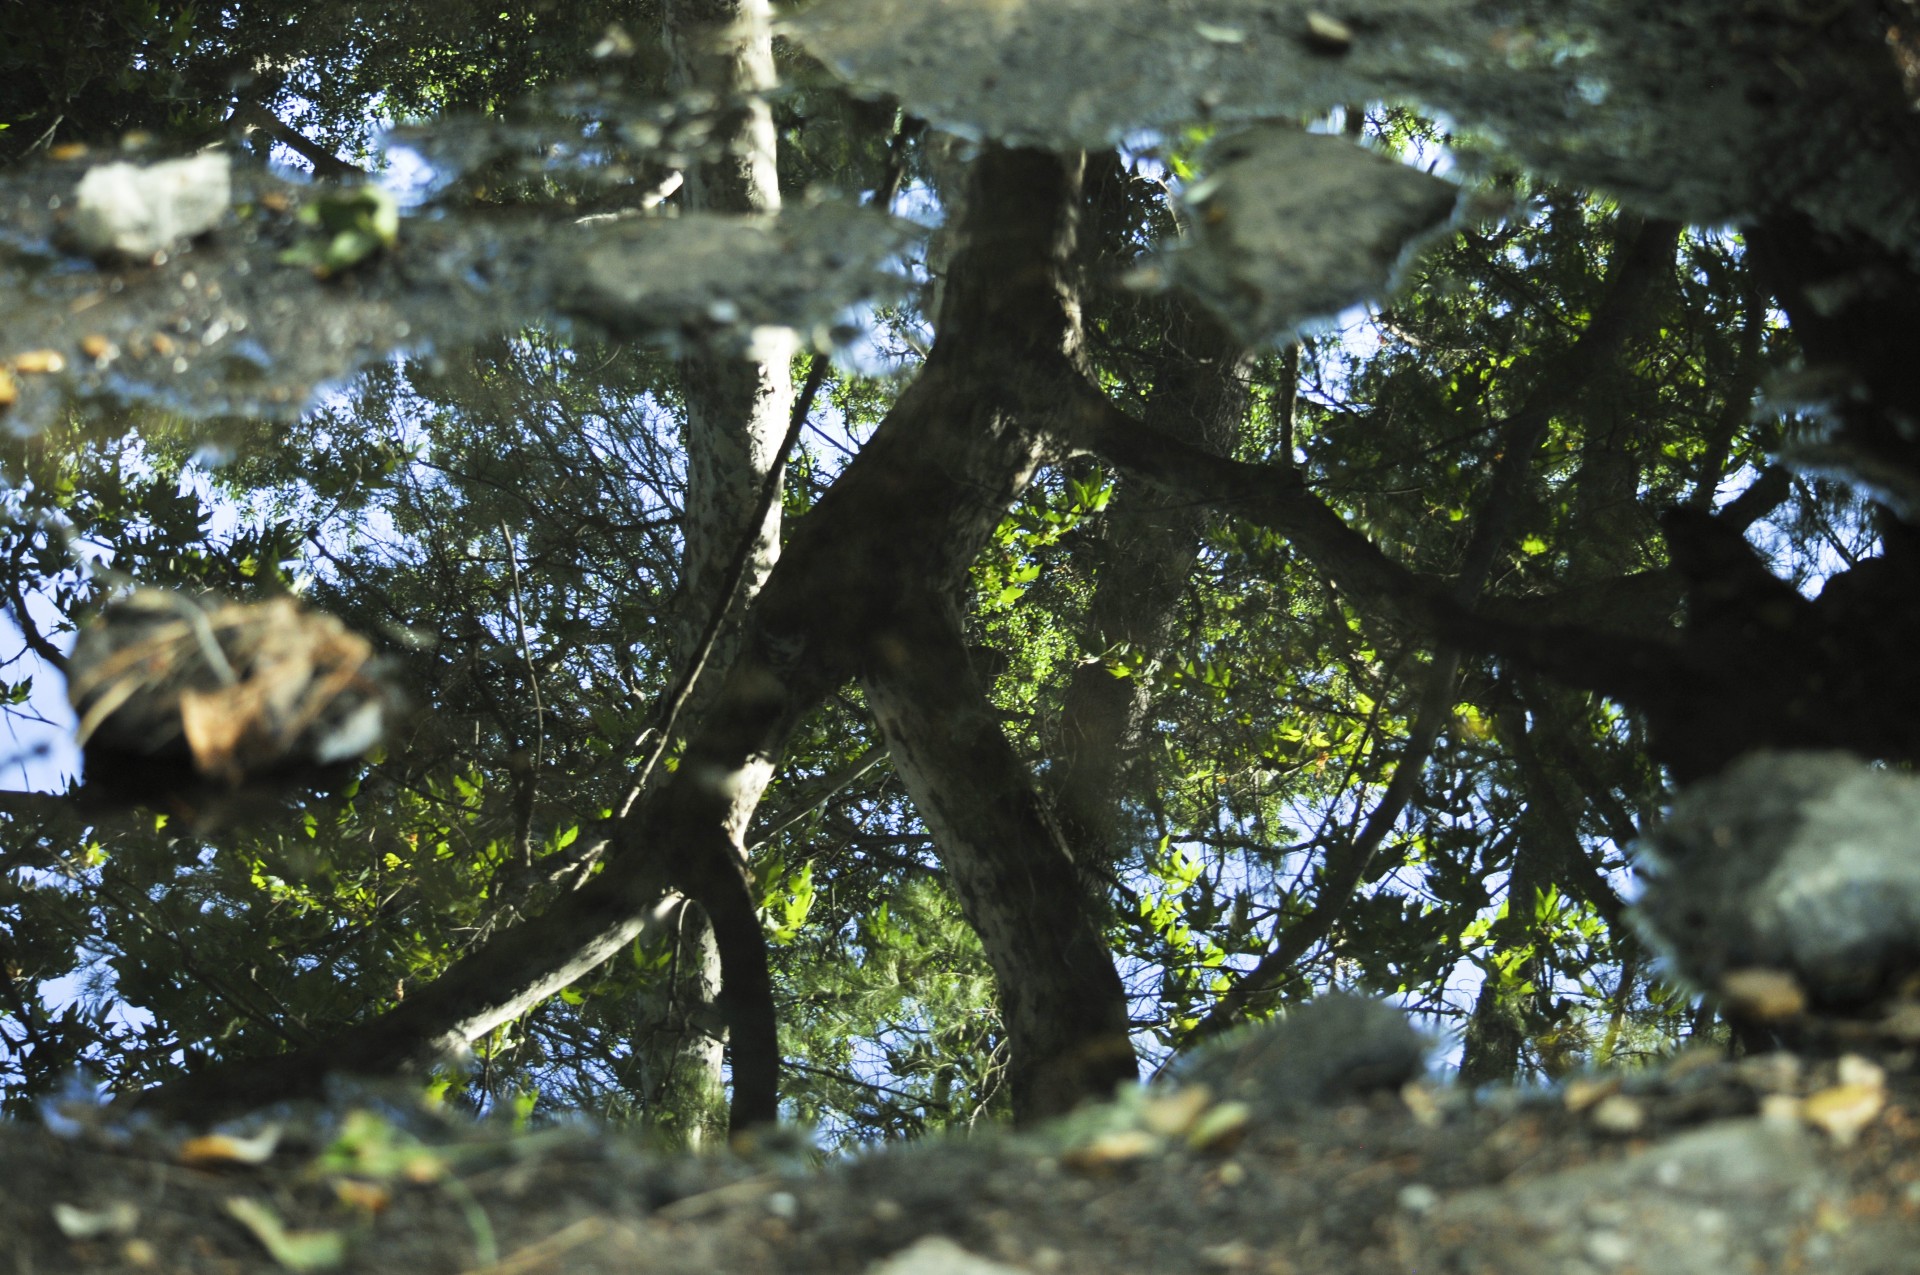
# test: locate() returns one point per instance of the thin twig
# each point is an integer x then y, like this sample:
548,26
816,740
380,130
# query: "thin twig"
1289,405
529,781
661,730
1347,864
1645,260
45,139
834,785
29,631
325,163
872,1086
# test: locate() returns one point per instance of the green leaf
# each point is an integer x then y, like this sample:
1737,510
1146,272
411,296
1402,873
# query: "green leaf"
294,1250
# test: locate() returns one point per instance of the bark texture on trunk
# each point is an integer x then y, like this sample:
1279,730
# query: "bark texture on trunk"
682,1046
738,402
737,408
1061,999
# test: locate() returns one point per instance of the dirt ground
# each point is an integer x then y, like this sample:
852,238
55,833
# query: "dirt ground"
1769,1163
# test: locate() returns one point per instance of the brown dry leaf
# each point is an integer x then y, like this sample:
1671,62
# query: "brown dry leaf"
1585,1091
424,1169
1422,1102
1110,1150
245,688
1764,995
39,362
367,1197
1221,1128
215,723
222,1148
1171,1115
1842,1111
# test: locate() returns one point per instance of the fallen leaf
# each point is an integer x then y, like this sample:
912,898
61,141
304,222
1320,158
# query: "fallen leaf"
1764,995
84,1224
368,1197
371,1147
1585,1091
1618,1113
1170,1115
1842,1111
295,1250
1221,1128
223,1148
39,362
1328,33
1855,1070
1422,1103
1110,1150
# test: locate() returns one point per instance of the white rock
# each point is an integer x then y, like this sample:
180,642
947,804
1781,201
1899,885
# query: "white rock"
936,1255
124,208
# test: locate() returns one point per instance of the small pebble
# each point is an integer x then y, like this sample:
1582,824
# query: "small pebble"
1418,1197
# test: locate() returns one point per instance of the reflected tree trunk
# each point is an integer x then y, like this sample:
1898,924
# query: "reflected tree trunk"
1146,557
918,504
737,405
1061,1000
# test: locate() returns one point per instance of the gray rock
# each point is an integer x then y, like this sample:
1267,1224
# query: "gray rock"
1802,863
1739,1195
937,1255
1295,226
1330,1049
